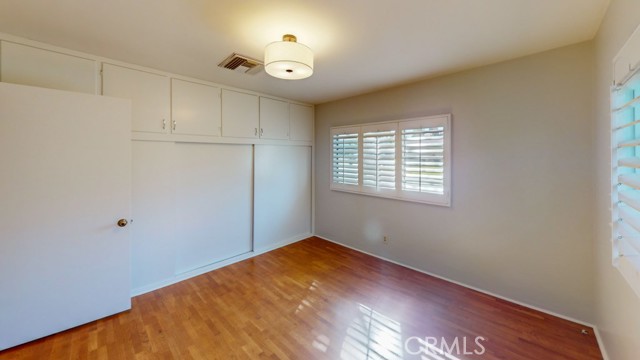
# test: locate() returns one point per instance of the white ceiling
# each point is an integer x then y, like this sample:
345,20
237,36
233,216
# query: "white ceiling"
360,45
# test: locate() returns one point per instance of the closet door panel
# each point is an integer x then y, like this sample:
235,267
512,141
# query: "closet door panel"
213,203
153,244
282,194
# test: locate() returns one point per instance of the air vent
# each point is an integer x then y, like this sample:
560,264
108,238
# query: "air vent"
241,64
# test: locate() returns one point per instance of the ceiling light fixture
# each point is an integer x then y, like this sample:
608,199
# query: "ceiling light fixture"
288,59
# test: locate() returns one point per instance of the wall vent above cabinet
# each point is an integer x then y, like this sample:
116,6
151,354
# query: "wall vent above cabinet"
242,64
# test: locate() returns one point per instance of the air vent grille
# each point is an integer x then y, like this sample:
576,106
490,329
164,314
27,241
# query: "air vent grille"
242,64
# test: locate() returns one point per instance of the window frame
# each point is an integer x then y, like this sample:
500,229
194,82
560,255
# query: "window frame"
398,193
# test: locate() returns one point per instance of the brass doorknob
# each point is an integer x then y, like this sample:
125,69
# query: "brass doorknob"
122,222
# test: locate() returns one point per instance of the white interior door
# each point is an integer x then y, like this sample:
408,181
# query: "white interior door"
65,182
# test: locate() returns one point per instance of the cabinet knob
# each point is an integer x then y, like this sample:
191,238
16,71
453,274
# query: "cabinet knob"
255,131
174,124
164,124
122,222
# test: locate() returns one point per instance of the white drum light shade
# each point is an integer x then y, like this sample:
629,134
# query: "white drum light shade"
288,59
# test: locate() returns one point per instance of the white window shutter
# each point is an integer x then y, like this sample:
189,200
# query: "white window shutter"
405,159
426,158
379,156
625,175
344,158
423,159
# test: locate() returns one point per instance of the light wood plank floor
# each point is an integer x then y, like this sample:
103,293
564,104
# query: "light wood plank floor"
317,300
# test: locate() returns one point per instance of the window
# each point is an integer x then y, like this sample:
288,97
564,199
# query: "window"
345,145
407,160
625,165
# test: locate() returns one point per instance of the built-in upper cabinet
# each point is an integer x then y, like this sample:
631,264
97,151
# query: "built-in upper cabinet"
274,119
149,94
195,109
27,65
240,114
164,105
301,122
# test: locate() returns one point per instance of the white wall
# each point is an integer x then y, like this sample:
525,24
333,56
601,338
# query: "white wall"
617,310
520,221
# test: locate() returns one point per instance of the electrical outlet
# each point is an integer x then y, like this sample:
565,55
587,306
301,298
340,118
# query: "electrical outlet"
385,239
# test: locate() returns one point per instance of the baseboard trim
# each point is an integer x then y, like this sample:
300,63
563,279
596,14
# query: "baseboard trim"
603,350
217,265
584,323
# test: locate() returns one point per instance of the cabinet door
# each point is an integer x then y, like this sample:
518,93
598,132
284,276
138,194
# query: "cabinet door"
274,119
27,65
301,122
195,108
239,114
149,95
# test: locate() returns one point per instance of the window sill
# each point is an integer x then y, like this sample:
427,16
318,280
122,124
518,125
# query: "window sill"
422,198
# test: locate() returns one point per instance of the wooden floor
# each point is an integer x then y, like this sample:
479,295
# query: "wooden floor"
318,300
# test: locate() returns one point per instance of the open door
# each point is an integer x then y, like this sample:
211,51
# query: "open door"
65,182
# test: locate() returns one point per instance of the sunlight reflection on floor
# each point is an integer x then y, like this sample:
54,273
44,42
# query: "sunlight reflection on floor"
372,336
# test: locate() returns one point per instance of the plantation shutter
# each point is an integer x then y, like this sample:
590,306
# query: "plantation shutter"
379,156
423,157
625,120
404,159
345,150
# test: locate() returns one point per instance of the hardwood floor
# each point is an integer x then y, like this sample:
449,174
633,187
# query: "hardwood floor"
317,300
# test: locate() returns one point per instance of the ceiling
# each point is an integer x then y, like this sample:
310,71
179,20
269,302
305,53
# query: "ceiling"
359,45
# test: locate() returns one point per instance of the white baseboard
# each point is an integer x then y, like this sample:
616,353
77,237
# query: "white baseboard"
291,240
217,265
465,285
603,350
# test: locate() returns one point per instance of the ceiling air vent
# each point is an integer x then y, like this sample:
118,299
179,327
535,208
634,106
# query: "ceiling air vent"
241,64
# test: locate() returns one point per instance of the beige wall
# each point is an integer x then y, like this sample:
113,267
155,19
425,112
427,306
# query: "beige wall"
617,307
521,220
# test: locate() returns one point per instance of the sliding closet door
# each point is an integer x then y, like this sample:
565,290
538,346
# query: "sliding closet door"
64,185
213,203
153,243
282,194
